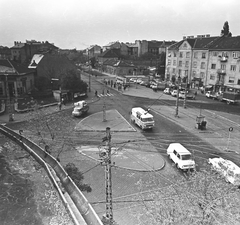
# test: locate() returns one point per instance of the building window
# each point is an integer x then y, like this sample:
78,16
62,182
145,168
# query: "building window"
214,53
213,66
174,70
195,55
181,54
238,82
186,73
169,62
234,55
231,80
202,65
224,54
1,88
180,63
223,66
195,64
202,74
174,54
194,73
180,72
188,55
212,77
187,64
203,55
174,62
233,67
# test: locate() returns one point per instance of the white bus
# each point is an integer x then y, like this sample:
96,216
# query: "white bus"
142,118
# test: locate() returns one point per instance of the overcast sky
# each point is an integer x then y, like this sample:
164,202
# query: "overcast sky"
79,24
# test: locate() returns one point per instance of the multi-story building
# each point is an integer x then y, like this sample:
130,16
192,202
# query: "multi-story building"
23,52
211,62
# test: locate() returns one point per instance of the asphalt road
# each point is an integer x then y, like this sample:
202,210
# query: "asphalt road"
125,182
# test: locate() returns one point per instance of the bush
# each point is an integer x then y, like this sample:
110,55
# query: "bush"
77,177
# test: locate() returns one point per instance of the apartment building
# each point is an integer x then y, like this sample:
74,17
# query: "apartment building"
22,52
211,62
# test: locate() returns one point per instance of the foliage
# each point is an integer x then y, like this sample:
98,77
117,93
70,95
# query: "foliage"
77,177
204,198
225,31
71,81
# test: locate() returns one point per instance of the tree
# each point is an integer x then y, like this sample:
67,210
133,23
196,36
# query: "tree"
225,31
71,81
204,198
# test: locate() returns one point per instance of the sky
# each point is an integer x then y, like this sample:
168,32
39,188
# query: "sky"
79,24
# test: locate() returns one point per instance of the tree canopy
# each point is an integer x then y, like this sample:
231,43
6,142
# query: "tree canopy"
71,81
225,31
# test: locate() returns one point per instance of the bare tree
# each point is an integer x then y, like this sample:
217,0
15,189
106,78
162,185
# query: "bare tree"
204,198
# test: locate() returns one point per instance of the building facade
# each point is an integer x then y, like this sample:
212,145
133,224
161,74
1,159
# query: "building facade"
210,62
15,79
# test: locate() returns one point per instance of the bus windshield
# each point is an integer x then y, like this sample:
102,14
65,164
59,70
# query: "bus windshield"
147,119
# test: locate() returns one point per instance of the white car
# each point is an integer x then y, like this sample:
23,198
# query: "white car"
208,94
174,93
182,94
138,81
167,91
229,170
133,80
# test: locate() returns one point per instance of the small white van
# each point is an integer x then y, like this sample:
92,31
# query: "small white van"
180,156
142,118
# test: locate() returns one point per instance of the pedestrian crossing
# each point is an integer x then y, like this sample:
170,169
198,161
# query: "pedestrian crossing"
105,95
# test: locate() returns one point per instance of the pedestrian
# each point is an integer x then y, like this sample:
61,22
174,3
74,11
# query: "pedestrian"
96,94
108,92
60,105
195,93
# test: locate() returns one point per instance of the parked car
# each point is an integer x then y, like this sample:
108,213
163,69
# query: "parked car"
212,94
229,170
138,81
167,91
208,93
133,80
174,93
189,95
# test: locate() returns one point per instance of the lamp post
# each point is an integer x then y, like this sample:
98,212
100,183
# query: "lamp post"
177,101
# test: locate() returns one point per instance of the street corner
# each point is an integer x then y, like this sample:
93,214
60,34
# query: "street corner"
125,158
100,121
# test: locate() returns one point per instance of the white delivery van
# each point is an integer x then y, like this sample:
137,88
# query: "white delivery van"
180,156
142,118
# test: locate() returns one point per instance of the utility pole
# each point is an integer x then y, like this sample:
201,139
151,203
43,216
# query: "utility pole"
177,101
106,157
185,95
89,81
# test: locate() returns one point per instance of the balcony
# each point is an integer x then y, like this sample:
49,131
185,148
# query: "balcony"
221,72
223,58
